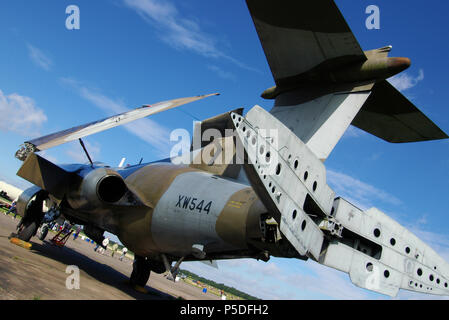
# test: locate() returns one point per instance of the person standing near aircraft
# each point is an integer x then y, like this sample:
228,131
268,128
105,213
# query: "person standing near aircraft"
77,232
113,249
12,208
104,245
124,251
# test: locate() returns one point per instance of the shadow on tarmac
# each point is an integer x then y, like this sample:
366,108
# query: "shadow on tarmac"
96,270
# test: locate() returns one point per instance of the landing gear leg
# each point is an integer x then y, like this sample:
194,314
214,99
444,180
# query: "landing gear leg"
141,273
33,217
172,271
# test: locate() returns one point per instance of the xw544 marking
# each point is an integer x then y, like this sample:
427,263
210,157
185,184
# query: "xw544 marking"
193,204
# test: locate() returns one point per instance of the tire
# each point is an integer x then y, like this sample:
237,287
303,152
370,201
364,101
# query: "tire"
141,272
44,233
157,267
28,231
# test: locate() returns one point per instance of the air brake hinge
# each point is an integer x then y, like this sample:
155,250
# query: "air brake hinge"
25,150
331,226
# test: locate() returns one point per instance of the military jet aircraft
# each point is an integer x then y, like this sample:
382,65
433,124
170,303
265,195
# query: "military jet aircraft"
265,194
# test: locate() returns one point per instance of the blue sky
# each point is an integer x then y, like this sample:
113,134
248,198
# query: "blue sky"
133,52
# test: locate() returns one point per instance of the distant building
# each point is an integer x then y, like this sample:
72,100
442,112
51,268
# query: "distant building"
12,191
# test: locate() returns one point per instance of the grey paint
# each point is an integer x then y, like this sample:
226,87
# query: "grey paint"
377,252
175,230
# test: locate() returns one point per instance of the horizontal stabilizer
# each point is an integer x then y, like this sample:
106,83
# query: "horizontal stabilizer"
390,116
81,131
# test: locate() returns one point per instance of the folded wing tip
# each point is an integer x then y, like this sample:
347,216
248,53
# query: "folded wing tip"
77,132
210,94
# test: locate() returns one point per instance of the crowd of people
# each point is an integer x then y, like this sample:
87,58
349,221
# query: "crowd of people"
101,248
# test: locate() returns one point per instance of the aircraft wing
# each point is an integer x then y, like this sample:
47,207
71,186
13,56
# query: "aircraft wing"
81,131
303,36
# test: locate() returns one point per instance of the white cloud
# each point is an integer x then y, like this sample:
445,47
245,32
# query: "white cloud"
327,282
247,275
359,193
146,129
438,242
404,81
271,280
180,33
222,73
77,153
422,220
354,132
39,58
19,114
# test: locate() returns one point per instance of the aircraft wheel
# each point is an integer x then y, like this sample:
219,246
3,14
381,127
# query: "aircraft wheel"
157,267
43,233
141,272
27,231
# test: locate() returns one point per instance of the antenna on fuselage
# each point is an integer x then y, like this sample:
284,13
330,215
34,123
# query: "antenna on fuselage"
120,165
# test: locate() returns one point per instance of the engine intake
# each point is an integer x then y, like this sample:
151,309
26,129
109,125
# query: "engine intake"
111,188
98,186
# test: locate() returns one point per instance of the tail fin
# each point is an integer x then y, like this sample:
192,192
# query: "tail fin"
320,121
325,82
390,116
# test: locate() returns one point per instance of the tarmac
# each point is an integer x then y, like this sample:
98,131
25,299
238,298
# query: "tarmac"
41,273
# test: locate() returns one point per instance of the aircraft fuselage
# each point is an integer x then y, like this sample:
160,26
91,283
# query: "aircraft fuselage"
178,207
